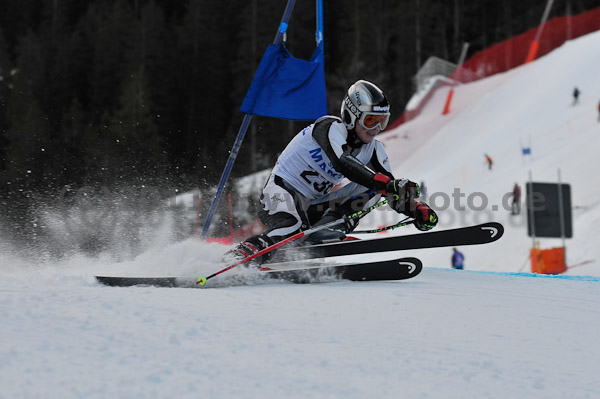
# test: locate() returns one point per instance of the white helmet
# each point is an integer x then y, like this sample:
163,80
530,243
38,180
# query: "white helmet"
366,103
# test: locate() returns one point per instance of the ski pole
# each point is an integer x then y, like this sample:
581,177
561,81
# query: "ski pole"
404,222
356,215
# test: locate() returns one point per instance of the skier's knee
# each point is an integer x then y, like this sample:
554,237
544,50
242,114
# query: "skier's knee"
326,236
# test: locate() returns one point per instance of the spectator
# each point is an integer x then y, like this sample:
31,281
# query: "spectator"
598,111
516,202
576,93
423,188
489,161
457,259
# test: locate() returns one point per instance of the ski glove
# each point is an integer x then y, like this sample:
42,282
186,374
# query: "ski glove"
425,217
401,192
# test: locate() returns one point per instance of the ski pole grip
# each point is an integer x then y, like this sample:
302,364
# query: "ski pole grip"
383,180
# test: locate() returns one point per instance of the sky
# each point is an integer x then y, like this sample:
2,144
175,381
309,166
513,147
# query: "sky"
485,332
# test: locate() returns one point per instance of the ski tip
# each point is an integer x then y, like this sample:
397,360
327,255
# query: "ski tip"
201,280
495,229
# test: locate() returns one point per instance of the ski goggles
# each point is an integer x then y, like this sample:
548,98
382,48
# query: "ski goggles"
370,120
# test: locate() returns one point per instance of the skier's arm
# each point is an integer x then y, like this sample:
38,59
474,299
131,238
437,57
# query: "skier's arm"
358,172
340,154
401,194
332,136
377,174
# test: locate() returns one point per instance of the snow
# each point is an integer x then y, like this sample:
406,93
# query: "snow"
530,104
425,88
485,332
444,334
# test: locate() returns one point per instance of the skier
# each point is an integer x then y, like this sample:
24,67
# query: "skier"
489,161
298,194
516,202
576,93
457,259
423,189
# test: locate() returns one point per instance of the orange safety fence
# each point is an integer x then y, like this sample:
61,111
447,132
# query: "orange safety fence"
516,51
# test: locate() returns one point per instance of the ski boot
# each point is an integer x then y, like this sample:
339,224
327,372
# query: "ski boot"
248,248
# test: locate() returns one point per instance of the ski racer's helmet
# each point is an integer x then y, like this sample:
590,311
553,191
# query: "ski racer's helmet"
366,104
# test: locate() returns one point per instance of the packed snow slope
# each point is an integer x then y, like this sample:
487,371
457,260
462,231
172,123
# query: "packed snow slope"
443,334
530,106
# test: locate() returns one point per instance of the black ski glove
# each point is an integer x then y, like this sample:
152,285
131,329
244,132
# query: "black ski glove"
425,217
401,192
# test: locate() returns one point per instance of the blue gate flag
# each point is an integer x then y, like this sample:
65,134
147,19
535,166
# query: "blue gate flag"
286,87
526,151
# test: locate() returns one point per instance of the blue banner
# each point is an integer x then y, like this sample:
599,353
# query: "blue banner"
286,87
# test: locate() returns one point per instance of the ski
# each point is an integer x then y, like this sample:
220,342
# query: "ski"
473,235
135,281
395,269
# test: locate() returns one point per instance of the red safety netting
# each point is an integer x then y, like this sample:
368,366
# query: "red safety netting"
513,52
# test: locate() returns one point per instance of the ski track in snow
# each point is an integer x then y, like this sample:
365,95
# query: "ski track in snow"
444,334
487,332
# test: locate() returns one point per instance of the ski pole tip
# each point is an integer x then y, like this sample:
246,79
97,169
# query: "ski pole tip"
201,280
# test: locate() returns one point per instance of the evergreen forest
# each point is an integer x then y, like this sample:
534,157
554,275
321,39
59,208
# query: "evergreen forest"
113,92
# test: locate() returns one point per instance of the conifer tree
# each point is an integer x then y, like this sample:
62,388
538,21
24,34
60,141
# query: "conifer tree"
5,89
29,148
134,139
